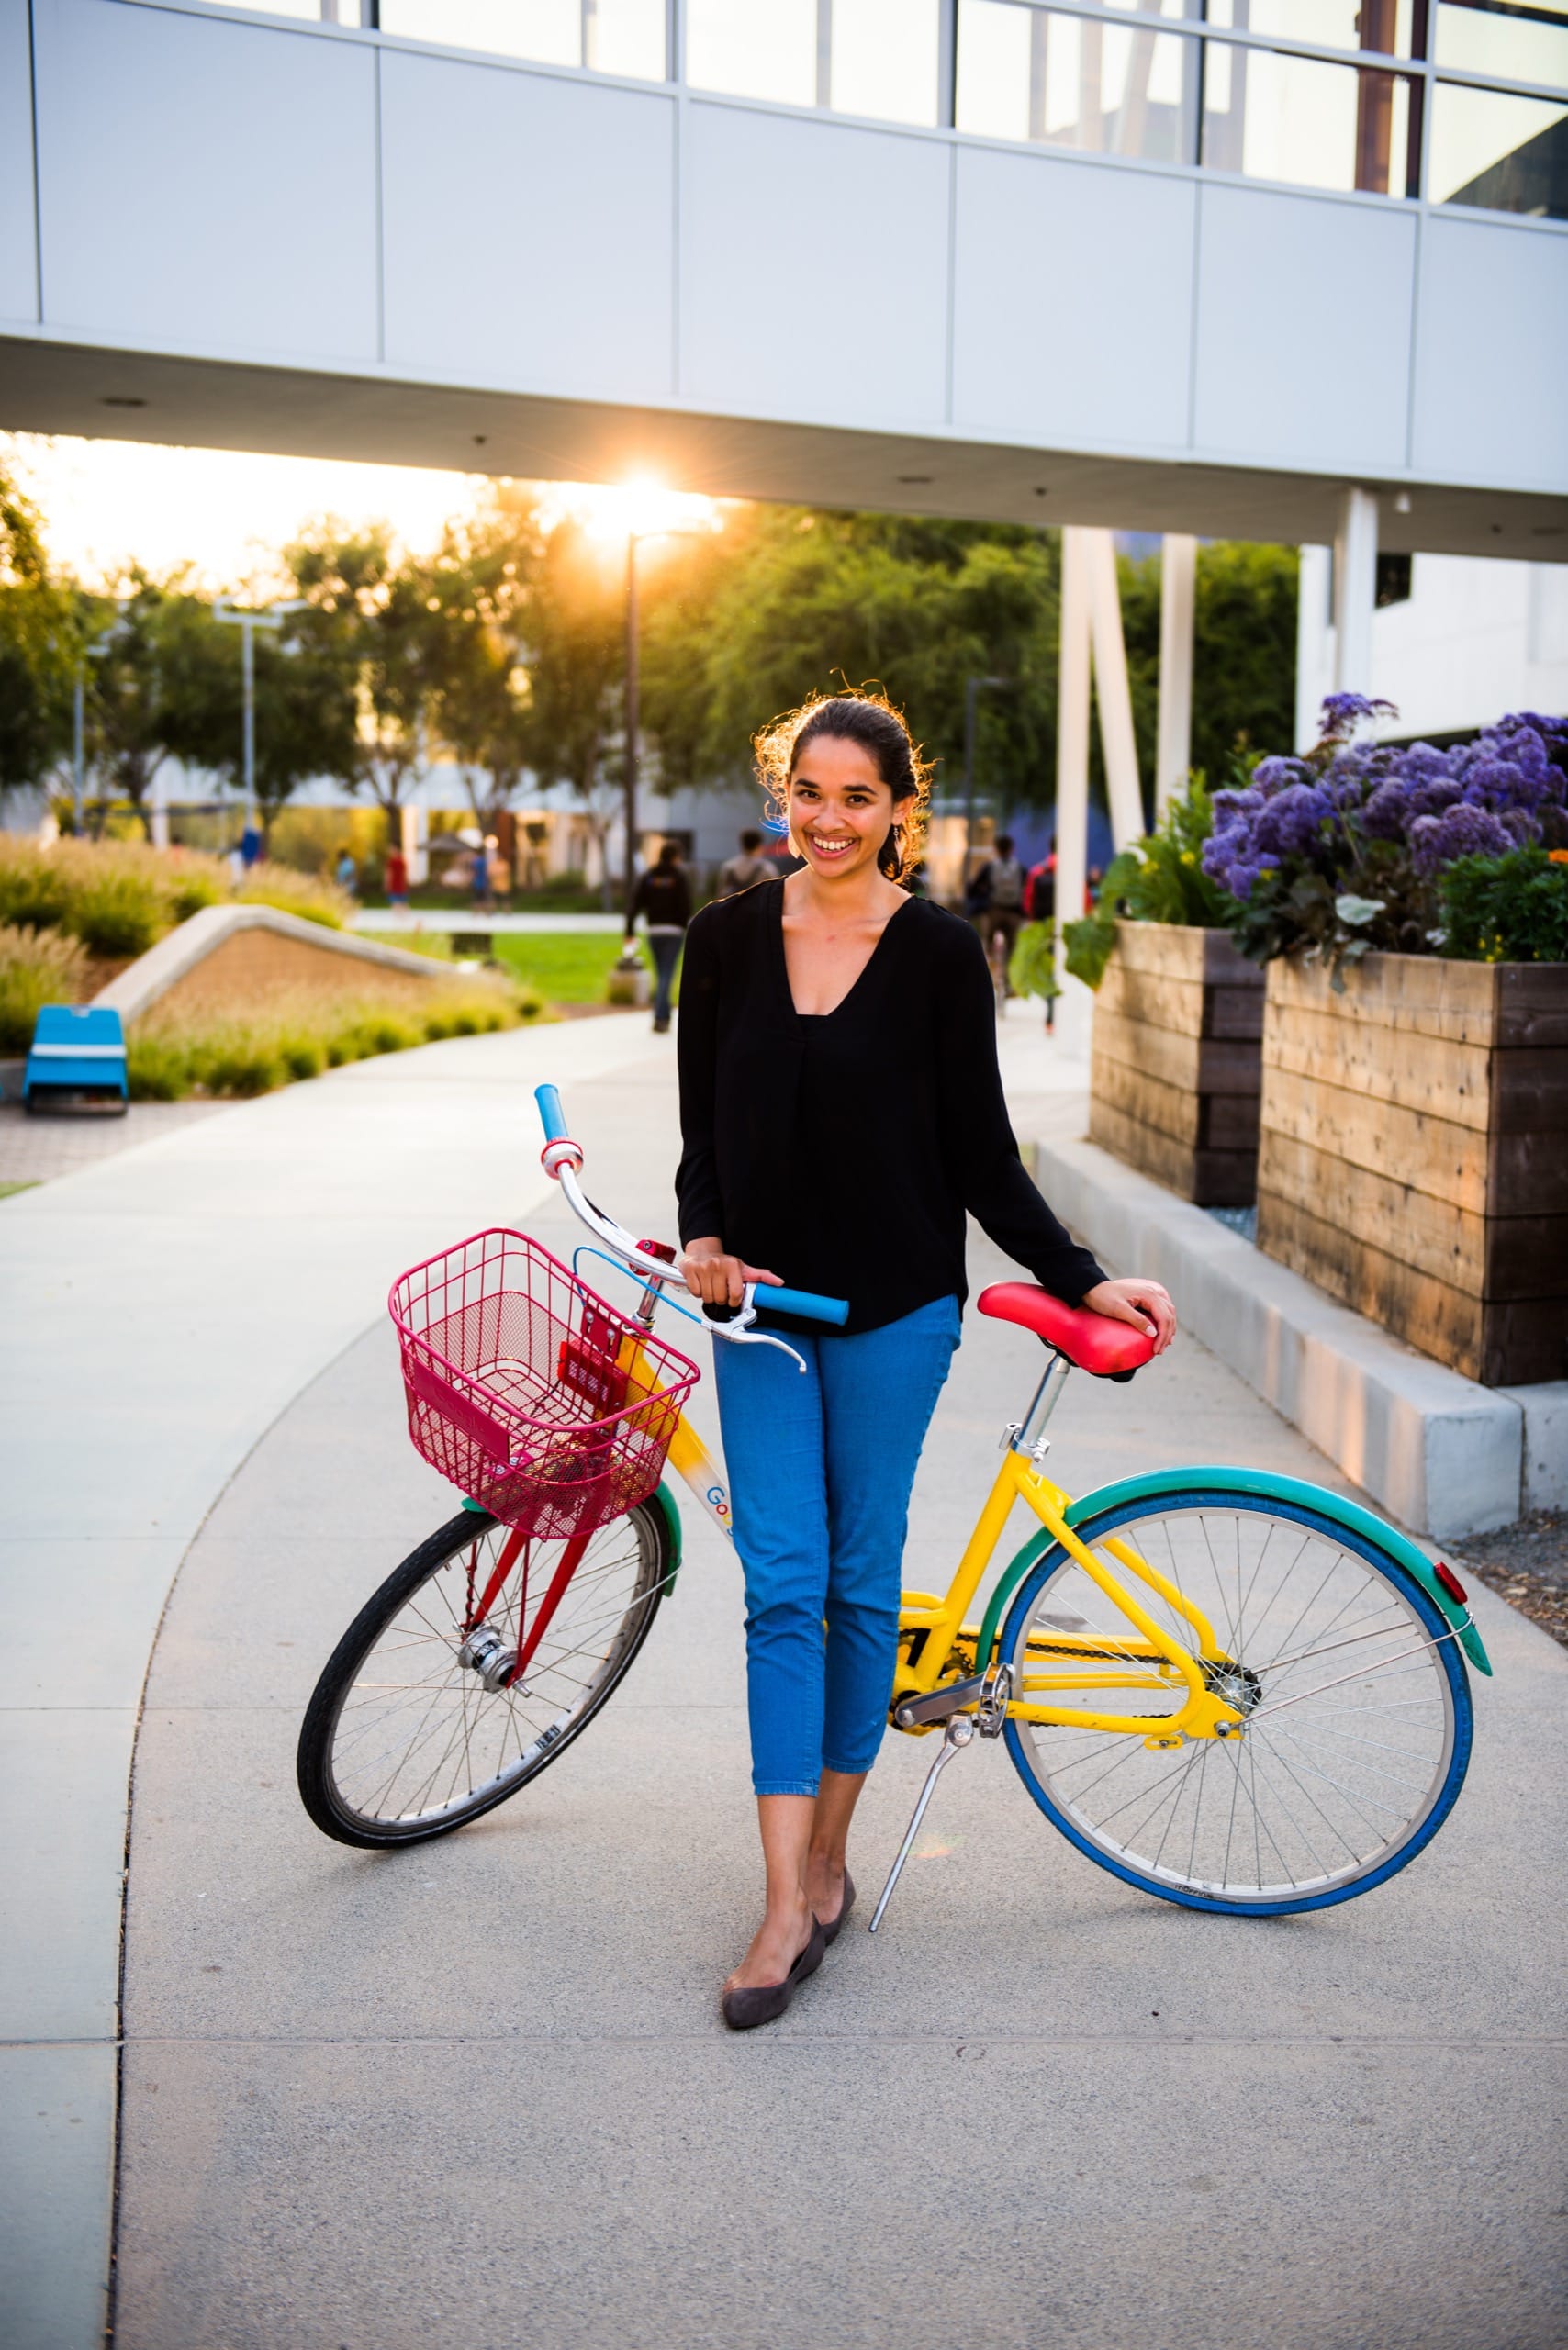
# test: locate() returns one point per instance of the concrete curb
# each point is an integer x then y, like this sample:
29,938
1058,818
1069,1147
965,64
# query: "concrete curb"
154,973
1443,1456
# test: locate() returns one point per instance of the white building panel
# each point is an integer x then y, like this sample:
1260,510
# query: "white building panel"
815,270
1073,300
530,229
1304,329
18,225
1492,366
204,185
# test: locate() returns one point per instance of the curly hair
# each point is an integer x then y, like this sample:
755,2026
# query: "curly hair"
868,718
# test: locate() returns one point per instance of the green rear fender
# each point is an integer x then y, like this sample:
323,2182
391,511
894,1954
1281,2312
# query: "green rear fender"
1165,1484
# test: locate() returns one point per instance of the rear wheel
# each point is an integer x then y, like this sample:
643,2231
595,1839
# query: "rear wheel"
410,1732
1355,1699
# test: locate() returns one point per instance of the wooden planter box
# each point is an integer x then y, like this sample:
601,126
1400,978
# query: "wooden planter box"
1413,1159
1176,1066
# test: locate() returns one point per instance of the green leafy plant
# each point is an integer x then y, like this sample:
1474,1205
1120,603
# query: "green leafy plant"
1159,879
1511,909
37,967
1033,969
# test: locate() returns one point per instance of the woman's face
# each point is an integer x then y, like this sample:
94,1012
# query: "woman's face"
840,810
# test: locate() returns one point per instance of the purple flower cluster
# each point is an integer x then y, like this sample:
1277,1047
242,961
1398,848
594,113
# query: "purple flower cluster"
1356,814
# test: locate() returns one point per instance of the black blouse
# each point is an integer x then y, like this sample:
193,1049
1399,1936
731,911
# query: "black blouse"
841,1151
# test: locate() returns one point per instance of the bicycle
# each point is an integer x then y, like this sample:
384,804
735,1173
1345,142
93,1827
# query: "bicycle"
1234,1690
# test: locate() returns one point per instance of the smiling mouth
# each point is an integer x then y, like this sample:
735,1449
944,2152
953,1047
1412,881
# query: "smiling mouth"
829,848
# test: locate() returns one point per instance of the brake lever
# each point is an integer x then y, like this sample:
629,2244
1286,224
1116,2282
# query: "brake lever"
740,1333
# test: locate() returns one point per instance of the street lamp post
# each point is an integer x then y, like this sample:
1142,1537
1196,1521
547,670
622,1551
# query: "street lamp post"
973,687
267,616
629,801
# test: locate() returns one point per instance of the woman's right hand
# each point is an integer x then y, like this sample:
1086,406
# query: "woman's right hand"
716,1279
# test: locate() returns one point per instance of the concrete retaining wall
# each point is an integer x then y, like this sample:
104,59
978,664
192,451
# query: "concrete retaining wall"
246,951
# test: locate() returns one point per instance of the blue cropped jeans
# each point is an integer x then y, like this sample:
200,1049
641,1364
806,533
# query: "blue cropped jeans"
820,1472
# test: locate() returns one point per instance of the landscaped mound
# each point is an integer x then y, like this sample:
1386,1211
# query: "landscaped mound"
70,908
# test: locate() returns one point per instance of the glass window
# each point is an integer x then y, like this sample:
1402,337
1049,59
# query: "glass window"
1519,44
884,58
754,49
1382,24
1505,153
626,37
1304,122
550,31
311,8
1071,82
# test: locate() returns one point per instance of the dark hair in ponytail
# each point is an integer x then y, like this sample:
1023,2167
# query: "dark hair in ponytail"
870,720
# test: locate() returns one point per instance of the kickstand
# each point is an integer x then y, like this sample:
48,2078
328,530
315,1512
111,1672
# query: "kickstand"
959,1731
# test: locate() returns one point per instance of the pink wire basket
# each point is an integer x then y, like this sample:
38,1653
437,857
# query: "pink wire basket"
517,1392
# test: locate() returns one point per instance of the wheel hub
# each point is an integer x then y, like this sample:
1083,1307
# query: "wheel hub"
486,1653
1237,1684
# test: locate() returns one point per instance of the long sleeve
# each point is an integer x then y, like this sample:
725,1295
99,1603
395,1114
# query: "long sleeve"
996,1190
697,1048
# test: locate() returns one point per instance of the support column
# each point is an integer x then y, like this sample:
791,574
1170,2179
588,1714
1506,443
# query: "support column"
1118,743
1072,777
1178,595
1355,592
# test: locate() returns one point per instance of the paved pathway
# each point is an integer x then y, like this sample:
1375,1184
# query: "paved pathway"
478,2094
37,1150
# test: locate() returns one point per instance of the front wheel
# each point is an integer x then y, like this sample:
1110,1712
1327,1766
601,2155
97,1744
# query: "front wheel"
411,1731
1356,1705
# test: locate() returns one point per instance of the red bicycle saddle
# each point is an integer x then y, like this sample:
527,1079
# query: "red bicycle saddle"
1110,1350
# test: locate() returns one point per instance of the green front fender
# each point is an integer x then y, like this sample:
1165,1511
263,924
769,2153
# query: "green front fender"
1162,1484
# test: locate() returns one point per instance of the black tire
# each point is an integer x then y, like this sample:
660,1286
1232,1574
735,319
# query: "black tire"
446,1747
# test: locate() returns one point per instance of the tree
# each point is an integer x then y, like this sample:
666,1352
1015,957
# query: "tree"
41,644
144,637
474,599
1243,653
305,701
372,607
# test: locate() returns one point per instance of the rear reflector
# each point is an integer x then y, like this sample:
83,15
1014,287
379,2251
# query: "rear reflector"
1450,1582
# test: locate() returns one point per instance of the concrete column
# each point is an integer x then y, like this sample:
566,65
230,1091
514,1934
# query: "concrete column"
1178,590
1118,743
1072,777
1355,592
1314,642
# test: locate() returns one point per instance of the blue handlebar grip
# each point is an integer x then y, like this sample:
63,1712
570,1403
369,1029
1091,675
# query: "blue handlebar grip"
552,1117
802,1303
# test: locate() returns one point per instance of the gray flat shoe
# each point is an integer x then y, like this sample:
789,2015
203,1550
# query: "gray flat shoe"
766,2002
831,1932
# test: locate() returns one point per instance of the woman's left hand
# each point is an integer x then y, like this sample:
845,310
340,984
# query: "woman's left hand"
1145,1305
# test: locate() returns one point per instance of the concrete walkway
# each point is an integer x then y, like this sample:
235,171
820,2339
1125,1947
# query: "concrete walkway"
478,2094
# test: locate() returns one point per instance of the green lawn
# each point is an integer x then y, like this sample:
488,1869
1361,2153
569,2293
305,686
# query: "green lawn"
565,965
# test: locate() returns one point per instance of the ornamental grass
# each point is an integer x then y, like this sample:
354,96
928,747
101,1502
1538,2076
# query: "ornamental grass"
119,898
37,967
294,1035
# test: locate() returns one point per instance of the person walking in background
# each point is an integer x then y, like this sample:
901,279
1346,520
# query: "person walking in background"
663,898
744,871
1002,915
348,873
398,880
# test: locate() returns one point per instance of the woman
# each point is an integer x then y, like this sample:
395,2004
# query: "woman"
841,1109
663,896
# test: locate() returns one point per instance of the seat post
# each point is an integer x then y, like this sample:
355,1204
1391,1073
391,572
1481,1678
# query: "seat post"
1046,1398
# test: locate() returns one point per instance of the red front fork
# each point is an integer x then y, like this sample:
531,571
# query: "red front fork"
512,1548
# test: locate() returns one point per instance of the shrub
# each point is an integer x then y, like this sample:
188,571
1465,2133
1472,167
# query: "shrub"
1508,909
1033,968
1159,879
116,914
37,967
297,1036
33,888
312,898
1345,851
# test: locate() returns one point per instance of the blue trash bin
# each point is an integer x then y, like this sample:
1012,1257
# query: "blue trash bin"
76,1052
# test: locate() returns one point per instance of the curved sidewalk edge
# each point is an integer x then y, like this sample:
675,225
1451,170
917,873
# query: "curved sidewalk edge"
207,933
162,1308
1445,1457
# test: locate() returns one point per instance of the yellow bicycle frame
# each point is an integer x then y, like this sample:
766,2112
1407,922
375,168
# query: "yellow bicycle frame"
935,1645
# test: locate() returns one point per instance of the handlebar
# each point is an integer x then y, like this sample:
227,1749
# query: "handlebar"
561,1157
